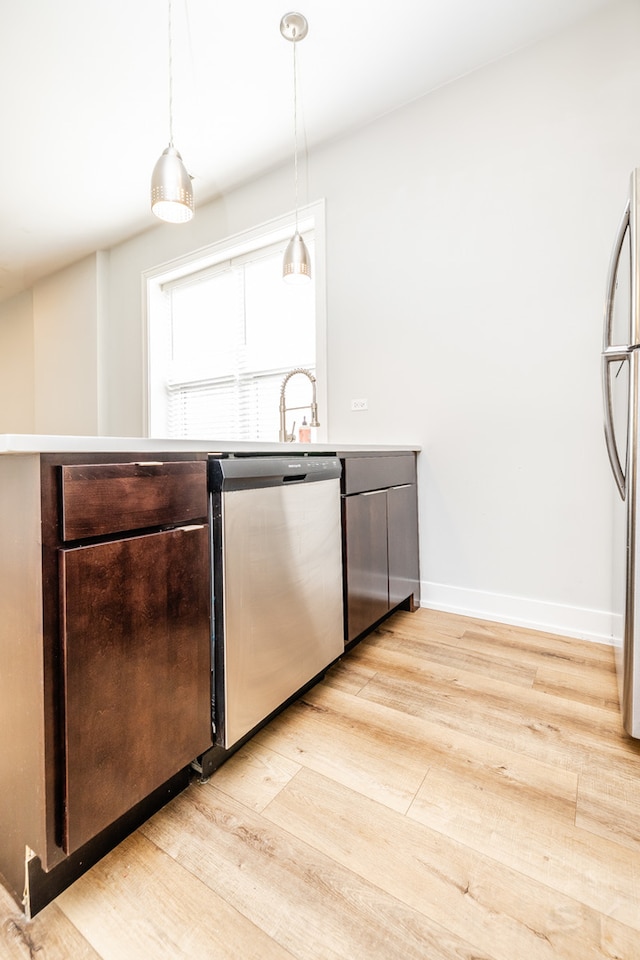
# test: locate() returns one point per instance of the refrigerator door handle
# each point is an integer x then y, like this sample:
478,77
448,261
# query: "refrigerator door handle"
613,355
611,277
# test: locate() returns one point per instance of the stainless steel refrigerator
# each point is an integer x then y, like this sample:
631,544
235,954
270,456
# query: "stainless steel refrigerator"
621,393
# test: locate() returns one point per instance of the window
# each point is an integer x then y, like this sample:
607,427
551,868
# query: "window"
223,330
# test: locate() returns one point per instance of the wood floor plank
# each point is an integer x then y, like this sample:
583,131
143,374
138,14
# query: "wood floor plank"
503,914
49,936
533,840
569,734
549,646
581,683
495,636
609,805
436,647
304,900
139,903
491,783
349,676
255,774
312,732
425,745
508,650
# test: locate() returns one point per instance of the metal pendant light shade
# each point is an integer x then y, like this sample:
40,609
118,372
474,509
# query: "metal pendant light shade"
171,191
296,265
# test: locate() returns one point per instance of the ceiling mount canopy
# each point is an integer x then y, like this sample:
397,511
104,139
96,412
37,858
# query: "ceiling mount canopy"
294,26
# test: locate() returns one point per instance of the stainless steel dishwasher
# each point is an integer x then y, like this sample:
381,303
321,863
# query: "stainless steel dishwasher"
277,583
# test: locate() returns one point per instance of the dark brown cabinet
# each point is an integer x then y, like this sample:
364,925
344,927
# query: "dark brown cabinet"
135,645
105,590
366,562
380,546
402,545
134,635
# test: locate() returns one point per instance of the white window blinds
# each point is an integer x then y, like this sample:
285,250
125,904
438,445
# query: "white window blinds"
231,333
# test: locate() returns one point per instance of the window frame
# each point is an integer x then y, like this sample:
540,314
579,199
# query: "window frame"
311,216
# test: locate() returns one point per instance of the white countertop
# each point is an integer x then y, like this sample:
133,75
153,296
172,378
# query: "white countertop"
16,443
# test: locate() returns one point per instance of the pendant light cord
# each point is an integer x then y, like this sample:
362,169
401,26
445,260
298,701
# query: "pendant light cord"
170,81
295,126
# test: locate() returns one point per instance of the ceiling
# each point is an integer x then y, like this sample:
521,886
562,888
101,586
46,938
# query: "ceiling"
84,111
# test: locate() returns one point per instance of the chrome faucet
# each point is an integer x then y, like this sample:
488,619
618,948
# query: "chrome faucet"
283,436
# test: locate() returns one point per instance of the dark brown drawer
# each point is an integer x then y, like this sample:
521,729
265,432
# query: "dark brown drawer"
99,499
375,473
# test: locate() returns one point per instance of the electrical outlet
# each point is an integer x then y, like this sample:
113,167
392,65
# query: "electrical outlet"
359,405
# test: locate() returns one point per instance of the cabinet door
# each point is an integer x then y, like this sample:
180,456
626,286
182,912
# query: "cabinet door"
402,518
136,671
366,570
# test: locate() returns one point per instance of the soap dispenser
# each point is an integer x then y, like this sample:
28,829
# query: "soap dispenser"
304,434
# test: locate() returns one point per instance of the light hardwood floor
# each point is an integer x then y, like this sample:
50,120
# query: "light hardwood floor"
453,790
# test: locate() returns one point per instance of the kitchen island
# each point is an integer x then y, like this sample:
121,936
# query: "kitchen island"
105,635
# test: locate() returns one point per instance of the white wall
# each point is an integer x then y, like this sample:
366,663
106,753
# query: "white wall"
16,365
67,319
468,242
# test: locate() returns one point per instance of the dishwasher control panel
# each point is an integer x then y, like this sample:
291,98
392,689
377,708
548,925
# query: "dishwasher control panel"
245,473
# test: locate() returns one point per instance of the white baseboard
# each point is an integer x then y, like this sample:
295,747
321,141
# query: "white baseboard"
579,622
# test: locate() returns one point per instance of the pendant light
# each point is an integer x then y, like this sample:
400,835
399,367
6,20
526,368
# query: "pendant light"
171,190
296,266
